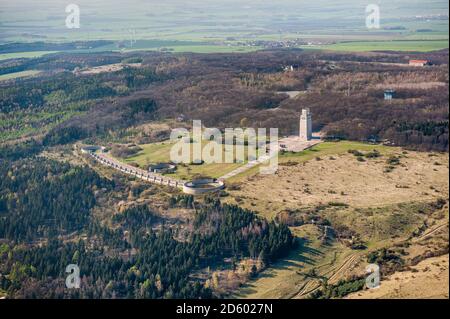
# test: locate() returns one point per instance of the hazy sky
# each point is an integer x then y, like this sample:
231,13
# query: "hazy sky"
46,18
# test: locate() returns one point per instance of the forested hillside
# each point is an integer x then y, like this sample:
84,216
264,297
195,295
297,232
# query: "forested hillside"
344,92
46,208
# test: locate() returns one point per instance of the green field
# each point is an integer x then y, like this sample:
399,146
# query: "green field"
18,55
396,45
160,153
418,45
147,45
21,74
203,48
330,148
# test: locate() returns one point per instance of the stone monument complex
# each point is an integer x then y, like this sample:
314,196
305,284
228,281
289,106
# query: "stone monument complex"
305,139
305,133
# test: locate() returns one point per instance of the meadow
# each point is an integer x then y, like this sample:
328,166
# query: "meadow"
29,54
317,151
388,45
16,75
160,153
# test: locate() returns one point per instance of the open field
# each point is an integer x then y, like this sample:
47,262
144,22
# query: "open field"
327,173
323,149
187,47
31,54
160,153
394,45
175,46
15,75
428,279
213,47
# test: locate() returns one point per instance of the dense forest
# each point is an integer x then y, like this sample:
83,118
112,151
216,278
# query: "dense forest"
42,199
46,208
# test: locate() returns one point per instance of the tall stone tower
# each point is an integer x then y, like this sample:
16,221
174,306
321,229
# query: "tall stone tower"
305,125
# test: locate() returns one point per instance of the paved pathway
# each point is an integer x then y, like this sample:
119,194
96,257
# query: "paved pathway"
245,167
292,143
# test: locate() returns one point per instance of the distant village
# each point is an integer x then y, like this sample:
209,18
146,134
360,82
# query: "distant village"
279,44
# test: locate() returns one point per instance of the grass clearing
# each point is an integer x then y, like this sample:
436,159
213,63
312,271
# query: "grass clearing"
328,173
429,279
322,149
30,54
160,153
16,75
394,45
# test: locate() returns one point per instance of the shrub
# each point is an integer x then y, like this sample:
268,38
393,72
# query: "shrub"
393,160
355,152
373,154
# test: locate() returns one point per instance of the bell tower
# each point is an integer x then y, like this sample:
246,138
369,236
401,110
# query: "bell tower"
305,132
